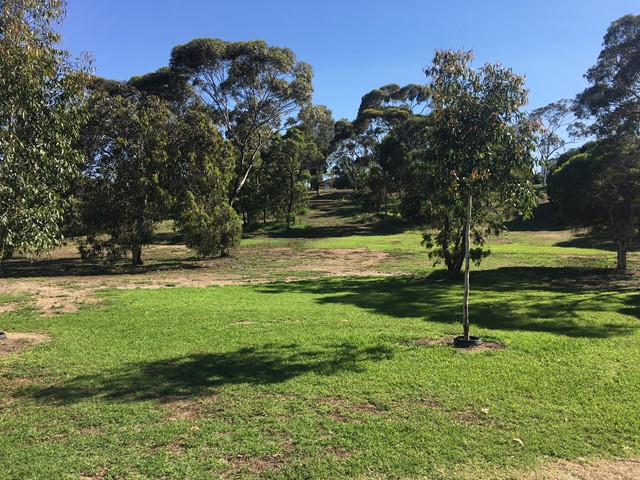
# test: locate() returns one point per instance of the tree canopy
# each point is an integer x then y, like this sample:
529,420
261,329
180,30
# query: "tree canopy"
40,119
613,97
599,189
250,88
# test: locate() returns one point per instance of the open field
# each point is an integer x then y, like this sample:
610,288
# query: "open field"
321,352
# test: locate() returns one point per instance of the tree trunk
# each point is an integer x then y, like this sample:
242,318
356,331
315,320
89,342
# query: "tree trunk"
136,255
623,246
467,255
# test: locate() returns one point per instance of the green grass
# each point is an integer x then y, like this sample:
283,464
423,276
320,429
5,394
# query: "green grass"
332,377
324,379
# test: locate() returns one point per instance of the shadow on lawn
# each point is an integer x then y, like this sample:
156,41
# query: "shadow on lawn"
199,373
64,267
551,300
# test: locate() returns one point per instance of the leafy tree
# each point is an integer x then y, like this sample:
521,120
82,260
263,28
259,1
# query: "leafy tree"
288,161
479,151
391,114
127,146
40,119
554,120
613,98
352,152
317,124
203,165
599,189
250,88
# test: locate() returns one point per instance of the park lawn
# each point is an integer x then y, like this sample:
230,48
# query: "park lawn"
327,378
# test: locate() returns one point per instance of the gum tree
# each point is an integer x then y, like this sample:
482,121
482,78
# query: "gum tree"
40,120
250,87
480,147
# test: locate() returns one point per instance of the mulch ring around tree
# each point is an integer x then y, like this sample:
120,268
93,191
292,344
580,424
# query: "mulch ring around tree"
448,340
16,342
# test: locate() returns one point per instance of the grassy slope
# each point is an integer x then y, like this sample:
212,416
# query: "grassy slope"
325,378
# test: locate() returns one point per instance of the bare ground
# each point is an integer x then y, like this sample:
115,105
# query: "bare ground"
66,293
17,342
615,469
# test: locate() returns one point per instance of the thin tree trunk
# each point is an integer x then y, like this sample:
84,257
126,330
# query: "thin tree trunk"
467,255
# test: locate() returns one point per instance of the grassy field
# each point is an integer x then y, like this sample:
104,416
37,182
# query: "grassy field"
322,352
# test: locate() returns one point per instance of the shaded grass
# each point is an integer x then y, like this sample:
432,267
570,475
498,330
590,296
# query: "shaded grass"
331,377
325,379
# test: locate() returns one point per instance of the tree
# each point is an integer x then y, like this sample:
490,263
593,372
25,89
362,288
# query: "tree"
317,124
352,152
250,88
479,148
554,120
599,189
613,98
124,194
40,119
202,162
288,160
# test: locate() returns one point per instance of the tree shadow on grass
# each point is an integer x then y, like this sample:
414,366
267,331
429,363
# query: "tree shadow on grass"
65,267
198,374
550,300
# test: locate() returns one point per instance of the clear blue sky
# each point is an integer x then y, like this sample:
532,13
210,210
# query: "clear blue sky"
356,46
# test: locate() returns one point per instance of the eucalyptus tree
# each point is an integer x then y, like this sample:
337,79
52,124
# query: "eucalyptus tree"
480,152
40,119
201,166
598,188
613,98
352,152
555,122
126,143
364,148
318,126
250,87
287,162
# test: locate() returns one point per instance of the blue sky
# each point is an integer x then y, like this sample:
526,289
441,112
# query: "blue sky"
356,46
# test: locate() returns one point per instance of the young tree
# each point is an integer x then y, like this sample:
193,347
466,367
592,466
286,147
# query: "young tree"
479,146
599,189
40,119
250,88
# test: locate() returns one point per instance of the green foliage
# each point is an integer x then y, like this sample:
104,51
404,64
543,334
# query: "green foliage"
211,229
40,118
250,87
553,120
127,144
600,190
203,168
479,146
613,97
317,124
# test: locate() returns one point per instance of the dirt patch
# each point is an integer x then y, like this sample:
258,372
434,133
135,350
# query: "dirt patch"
486,344
16,342
342,261
187,409
178,446
337,452
258,465
616,469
